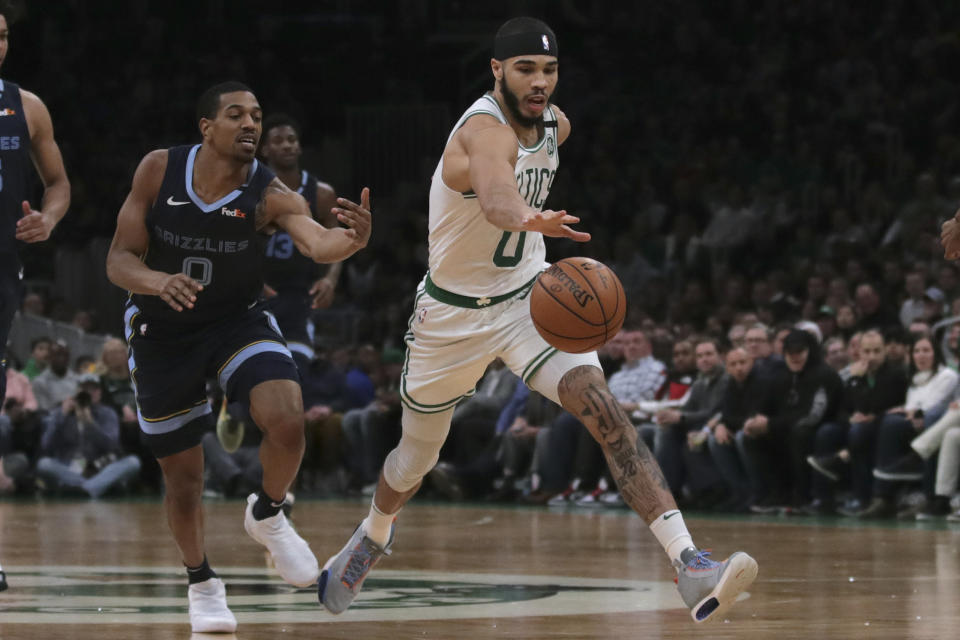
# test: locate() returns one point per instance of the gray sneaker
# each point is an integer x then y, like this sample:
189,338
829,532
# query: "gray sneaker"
709,588
343,574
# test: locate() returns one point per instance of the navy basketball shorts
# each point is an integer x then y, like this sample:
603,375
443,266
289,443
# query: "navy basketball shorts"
170,371
292,311
9,303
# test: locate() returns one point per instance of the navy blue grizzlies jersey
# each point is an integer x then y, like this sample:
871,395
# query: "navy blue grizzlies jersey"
285,268
15,168
216,244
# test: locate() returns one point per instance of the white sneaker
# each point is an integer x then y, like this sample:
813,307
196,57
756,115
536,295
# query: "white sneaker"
208,608
291,553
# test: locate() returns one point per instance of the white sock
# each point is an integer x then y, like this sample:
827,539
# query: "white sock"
377,525
672,534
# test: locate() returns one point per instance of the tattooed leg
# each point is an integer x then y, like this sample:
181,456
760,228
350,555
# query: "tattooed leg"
584,393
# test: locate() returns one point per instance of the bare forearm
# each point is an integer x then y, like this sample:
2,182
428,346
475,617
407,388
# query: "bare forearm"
127,271
333,246
56,200
333,272
504,208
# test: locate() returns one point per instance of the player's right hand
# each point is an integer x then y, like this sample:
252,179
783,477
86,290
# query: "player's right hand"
555,224
356,217
179,291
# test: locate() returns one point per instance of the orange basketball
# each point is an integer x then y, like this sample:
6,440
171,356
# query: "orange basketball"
578,304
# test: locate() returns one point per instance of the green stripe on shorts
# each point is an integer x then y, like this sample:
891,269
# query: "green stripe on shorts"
538,362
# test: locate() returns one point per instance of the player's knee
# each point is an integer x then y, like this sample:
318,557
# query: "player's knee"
285,429
183,487
409,462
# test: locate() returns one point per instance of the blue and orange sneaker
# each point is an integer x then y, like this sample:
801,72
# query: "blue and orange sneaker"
343,574
709,588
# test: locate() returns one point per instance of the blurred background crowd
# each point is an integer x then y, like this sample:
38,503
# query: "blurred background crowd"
747,168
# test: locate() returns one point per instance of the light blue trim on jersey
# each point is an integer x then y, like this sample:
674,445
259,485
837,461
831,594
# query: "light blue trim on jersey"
265,346
272,321
303,181
302,349
1,87
203,206
128,315
160,427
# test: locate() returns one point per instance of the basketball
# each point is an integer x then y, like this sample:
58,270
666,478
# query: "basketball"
578,304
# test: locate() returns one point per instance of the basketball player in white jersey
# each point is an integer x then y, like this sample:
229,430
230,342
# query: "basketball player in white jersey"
486,250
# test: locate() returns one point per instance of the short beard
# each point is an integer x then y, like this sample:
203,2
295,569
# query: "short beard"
512,102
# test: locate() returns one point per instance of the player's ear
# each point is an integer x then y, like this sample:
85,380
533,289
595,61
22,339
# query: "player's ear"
497,67
204,126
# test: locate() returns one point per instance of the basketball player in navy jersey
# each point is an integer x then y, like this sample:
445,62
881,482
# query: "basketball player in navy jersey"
292,279
188,247
486,230
26,137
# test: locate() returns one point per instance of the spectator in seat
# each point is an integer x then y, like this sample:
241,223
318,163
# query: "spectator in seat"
81,444
58,382
932,386
913,307
760,347
806,396
746,394
835,353
39,357
872,311
705,399
875,385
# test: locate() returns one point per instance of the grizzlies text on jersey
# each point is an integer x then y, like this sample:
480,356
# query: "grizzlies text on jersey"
216,244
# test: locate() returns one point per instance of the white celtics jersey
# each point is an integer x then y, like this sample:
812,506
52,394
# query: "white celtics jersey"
468,255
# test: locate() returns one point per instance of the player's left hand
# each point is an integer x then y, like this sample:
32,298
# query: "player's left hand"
357,217
555,224
322,293
34,226
950,237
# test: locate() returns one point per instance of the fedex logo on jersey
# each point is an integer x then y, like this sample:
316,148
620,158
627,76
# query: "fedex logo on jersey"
232,213
7,112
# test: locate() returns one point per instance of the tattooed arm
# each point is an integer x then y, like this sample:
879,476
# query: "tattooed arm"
584,393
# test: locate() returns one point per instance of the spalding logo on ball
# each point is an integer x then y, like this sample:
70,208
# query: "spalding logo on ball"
578,305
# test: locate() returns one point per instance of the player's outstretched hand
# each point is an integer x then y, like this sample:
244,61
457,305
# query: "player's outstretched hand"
33,226
179,291
357,217
555,224
950,237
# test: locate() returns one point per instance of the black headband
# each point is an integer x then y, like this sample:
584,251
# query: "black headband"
532,43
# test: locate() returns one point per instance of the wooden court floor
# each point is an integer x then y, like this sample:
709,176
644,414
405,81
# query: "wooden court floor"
109,570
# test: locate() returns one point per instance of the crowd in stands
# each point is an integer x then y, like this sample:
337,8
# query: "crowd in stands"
767,179
803,416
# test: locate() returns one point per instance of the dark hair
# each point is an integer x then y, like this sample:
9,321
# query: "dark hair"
897,335
209,103
717,343
38,340
937,353
10,11
275,120
796,341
